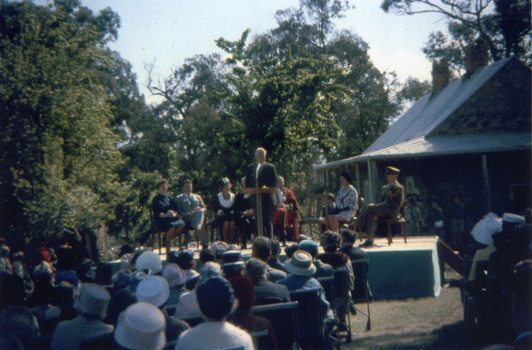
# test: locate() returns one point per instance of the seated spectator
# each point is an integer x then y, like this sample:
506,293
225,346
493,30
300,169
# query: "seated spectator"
330,242
149,261
274,261
188,304
104,273
17,323
41,300
64,295
215,298
155,290
322,270
245,222
11,290
185,260
205,256
301,270
120,301
521,303
292,248
483,233
92,306
232,264
262,251
242,317
218,248
176,281
330,203
141,327
125,248
265,291
349,238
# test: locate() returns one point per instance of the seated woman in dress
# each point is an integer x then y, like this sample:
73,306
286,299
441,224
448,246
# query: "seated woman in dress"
223,206
245,221
346,203
165,213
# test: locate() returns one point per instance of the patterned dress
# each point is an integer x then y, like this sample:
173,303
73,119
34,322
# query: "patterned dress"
347,199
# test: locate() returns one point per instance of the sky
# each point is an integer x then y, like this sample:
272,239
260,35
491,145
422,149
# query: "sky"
166,32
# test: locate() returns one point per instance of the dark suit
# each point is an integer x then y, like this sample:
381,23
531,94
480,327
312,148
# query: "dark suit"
267,290
267,177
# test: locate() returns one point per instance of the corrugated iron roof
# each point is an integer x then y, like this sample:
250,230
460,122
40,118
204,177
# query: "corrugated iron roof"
444,145
430,111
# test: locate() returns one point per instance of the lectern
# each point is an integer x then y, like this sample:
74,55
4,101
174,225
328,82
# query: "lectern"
258,192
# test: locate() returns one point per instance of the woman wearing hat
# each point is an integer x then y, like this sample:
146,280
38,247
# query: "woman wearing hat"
225,215
165,213
346,203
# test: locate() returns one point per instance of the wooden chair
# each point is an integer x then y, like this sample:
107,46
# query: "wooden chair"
397,220
316,204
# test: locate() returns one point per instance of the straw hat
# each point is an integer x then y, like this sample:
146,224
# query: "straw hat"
93,300
300,264
141,327
149,261
174,275
153,290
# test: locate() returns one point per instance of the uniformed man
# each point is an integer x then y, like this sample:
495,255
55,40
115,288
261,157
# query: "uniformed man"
392,200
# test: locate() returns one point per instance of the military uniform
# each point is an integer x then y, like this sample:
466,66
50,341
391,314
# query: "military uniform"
392,200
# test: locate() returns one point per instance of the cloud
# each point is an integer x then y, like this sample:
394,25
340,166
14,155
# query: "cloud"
405,64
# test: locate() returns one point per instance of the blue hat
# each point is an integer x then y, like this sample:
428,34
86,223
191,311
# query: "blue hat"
309,246
215,298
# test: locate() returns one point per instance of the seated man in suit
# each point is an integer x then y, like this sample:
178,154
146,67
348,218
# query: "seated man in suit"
392,200
192,211
266,292
262,174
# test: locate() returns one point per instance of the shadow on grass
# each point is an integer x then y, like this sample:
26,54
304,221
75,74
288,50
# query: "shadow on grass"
452,336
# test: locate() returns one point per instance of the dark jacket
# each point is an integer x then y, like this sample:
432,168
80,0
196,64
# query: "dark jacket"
354,253
322,270
267,176
266,290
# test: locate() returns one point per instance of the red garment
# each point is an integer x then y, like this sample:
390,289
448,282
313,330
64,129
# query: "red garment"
291,215
43,254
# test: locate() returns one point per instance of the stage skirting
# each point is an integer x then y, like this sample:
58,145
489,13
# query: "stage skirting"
396,272
403,271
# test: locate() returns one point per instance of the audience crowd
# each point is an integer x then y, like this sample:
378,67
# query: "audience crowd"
60,301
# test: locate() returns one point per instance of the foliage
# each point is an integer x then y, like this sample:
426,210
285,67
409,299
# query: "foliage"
60,163
504,25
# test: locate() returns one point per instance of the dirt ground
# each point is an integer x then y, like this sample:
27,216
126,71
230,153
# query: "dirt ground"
429,323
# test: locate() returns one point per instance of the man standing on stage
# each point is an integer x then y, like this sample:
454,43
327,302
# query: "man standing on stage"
262,174
392,200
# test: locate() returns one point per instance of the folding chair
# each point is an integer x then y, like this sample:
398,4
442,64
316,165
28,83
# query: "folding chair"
283,317
155,231
268,301
310,318
330,294
343,299
362,291
260,339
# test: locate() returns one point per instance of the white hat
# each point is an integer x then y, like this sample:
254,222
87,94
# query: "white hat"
486,228
174,275
153,290
300,264
93,300
141,327
149,261
513,218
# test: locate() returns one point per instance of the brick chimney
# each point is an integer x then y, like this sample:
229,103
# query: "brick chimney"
440,74
476,56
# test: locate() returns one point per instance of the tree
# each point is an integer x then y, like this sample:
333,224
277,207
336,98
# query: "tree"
505,27
58,152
